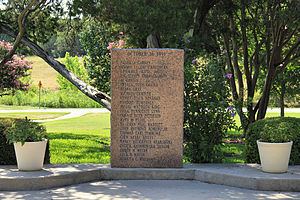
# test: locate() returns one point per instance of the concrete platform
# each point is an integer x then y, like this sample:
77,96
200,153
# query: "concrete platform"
247,176
147,190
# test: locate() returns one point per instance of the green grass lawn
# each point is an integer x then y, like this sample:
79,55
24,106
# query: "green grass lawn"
33,115
233,153
270,114
84,139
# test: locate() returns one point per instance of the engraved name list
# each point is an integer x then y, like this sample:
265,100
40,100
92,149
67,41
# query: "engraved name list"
147,108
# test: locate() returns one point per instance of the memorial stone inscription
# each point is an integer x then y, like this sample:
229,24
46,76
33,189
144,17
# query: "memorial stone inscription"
147,108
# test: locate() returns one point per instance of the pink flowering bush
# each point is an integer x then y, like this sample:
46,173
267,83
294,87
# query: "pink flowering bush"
12,73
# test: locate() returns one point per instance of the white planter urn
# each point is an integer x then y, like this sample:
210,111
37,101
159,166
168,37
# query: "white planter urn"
274,157
30,156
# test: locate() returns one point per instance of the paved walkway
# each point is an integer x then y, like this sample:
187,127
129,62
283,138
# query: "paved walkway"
146,190
73,112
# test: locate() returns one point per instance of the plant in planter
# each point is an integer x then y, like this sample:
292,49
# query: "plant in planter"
29,139
275,143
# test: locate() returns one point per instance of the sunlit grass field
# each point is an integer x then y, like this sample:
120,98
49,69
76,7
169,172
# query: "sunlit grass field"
41,71
84,139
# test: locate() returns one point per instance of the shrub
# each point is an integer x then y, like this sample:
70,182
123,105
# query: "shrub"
51,99
207,113
7,152
13,72
76,67
24,130
278,129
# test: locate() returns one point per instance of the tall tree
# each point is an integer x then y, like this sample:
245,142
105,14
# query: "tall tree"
257,36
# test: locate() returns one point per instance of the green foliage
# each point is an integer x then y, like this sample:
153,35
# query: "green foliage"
207,113
169,18
66,39
7,152
277,132
40,26
95,38
50,99
277,129
76,67
24,130
287,84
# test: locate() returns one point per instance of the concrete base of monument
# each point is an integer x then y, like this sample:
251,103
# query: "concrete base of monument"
238,175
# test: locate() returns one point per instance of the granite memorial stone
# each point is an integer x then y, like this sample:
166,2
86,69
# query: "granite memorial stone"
147,108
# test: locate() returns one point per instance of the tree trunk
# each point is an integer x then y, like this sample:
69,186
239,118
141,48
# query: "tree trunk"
201,12
263,104
153,41
266,94
282,94
88,90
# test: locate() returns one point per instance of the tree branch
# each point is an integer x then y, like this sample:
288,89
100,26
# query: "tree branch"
229,63
245,49
290,36
292,50
235,61
21,25
256,106
255,61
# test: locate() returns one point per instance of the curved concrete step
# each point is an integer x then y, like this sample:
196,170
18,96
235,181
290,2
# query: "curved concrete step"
238,175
